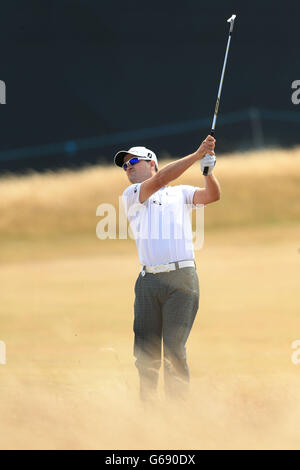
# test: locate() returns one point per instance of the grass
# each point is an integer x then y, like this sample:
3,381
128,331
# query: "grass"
257,189
67,313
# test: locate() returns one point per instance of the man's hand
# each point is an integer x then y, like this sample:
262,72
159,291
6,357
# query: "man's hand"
207,146
208,161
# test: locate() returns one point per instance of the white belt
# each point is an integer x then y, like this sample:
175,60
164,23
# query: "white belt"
164,268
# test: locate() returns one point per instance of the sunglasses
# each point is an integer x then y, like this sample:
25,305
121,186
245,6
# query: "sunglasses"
132,161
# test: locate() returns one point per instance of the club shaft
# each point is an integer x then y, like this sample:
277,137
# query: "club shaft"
213,126
221,85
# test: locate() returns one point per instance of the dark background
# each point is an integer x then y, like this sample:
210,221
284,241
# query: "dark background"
79,70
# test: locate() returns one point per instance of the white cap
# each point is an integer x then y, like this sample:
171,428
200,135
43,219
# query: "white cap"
141,152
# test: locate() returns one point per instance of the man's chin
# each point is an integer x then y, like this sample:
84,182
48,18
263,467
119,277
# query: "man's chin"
133,179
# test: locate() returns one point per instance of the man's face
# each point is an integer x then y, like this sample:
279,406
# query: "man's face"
139,172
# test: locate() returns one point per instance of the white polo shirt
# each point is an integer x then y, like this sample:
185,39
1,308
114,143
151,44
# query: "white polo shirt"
161,225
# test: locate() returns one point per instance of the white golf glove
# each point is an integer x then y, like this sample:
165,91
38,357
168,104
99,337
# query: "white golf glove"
208,160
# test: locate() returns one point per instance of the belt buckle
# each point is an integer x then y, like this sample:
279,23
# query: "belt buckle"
164,268
158,268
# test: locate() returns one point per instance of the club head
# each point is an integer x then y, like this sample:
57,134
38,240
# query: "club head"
231,21
232,18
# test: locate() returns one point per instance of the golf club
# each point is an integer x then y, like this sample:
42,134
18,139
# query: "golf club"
231,21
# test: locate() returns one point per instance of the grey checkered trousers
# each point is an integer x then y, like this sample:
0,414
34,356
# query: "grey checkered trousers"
164,311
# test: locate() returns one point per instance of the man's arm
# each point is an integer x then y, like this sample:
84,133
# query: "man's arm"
175,169
210,193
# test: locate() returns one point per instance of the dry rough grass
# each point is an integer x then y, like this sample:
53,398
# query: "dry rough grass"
257,188
67,313
70,380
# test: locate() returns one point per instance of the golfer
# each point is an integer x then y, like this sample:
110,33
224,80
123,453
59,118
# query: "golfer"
167,288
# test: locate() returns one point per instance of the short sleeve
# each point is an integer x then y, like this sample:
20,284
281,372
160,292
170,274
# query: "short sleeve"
188,193
131,196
